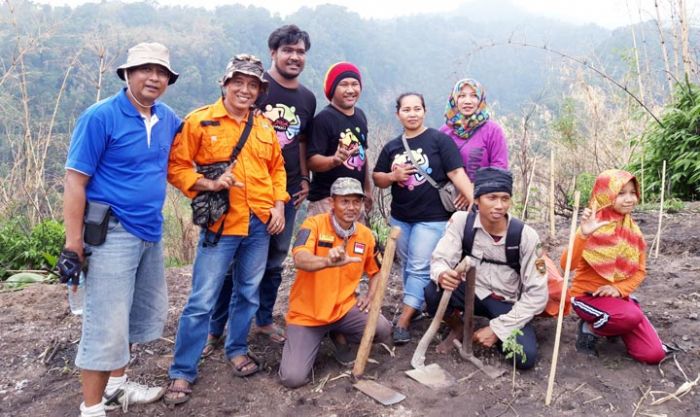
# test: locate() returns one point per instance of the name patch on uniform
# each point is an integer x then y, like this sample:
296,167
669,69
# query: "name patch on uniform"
205,123
326,238
359,248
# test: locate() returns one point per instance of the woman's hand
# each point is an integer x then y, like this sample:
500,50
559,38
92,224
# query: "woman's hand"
607,291
403,172
589,222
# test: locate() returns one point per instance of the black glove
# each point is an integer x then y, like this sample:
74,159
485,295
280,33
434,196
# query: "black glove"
69,267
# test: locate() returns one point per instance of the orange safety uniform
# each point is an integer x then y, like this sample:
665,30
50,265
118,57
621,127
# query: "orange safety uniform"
327,295
209,135
587,280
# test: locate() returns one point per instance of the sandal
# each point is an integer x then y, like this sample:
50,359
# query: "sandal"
276,335
168,399
212,345
238,370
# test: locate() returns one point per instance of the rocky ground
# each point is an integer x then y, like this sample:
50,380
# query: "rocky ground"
39,338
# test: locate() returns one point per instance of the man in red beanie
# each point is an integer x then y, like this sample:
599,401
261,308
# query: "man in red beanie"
338,144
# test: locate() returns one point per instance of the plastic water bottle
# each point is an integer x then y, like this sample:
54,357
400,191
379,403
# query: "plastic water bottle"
77,297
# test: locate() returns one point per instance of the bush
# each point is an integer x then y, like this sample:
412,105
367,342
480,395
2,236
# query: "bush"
677,141
38,249
584,184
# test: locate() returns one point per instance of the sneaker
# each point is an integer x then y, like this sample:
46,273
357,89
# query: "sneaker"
131,393
586,342
401,336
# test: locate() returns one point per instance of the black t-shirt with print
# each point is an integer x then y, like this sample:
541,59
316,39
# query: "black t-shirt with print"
329,127
290,111
415,200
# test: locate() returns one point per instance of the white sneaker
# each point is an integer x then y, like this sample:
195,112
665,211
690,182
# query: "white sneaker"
131,393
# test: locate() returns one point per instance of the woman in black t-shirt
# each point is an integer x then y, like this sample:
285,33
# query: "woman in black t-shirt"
415,203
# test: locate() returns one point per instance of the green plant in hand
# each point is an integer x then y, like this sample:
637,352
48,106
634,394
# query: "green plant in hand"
513,350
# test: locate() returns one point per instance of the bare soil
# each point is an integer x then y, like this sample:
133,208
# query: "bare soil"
39,338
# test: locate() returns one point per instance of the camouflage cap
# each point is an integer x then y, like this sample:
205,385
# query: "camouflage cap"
245,64
347,186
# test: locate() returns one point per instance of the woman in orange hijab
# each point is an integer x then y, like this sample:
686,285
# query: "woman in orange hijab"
610,263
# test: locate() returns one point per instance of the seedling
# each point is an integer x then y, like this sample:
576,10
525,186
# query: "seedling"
513,350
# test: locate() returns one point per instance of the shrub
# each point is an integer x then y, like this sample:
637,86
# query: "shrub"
677,141
37,249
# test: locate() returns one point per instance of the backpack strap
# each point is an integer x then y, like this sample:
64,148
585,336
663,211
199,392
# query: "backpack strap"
513,236
512,244
468,235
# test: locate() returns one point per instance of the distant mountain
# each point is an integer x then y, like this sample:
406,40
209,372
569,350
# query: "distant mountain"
426,53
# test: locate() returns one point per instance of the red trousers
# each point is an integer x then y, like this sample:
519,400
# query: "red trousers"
610,316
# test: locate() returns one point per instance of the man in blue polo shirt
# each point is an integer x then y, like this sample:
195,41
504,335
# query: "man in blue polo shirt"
114,192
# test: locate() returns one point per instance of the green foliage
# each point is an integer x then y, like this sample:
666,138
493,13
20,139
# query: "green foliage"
38,249
512,348
671,205
584,184
380,230
565,123
677,142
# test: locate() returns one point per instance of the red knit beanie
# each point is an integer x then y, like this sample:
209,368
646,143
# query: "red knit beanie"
338,72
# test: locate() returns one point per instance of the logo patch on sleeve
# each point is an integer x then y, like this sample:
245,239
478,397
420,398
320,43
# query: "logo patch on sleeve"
302,237
359,248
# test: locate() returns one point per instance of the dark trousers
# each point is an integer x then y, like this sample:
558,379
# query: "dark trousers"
490,307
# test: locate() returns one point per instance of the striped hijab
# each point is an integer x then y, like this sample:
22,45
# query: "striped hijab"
614,251
461,125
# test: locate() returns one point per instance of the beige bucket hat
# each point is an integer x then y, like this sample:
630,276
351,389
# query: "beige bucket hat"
148,53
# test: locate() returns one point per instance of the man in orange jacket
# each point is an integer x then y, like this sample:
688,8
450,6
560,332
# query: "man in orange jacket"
256,182
331,252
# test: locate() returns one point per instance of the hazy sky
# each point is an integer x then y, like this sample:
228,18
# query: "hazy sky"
608,13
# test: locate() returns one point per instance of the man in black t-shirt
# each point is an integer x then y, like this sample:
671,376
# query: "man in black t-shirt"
338,143
290,107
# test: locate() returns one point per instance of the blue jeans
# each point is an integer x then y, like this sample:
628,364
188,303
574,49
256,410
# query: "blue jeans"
126,299
414,249
272,278
208,274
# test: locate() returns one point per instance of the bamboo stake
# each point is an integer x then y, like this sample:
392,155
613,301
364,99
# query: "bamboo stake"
552,226
562,300
527,191
376,304
661,209
642,178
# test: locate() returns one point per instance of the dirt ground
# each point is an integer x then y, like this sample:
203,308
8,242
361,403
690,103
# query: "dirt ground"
39,338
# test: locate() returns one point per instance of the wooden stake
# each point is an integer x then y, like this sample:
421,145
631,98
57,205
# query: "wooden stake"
376,304
661,210
562,299
642,178
527,191
552,226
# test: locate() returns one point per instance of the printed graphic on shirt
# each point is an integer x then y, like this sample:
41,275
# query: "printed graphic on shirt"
421,159
355,147
286,122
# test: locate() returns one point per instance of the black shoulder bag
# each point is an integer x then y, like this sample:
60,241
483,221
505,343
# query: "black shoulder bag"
209,206
447,190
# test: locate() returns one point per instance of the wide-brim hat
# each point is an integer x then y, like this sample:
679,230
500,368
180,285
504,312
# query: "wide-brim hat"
148,53
245,64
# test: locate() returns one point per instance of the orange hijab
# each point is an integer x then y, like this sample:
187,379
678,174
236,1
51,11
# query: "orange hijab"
614,251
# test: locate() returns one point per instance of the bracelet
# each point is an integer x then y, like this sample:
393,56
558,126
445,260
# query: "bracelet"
306,178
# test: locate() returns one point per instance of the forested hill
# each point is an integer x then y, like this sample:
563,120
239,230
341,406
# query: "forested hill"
425,53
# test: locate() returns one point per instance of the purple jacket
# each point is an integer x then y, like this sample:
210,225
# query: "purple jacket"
486,148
